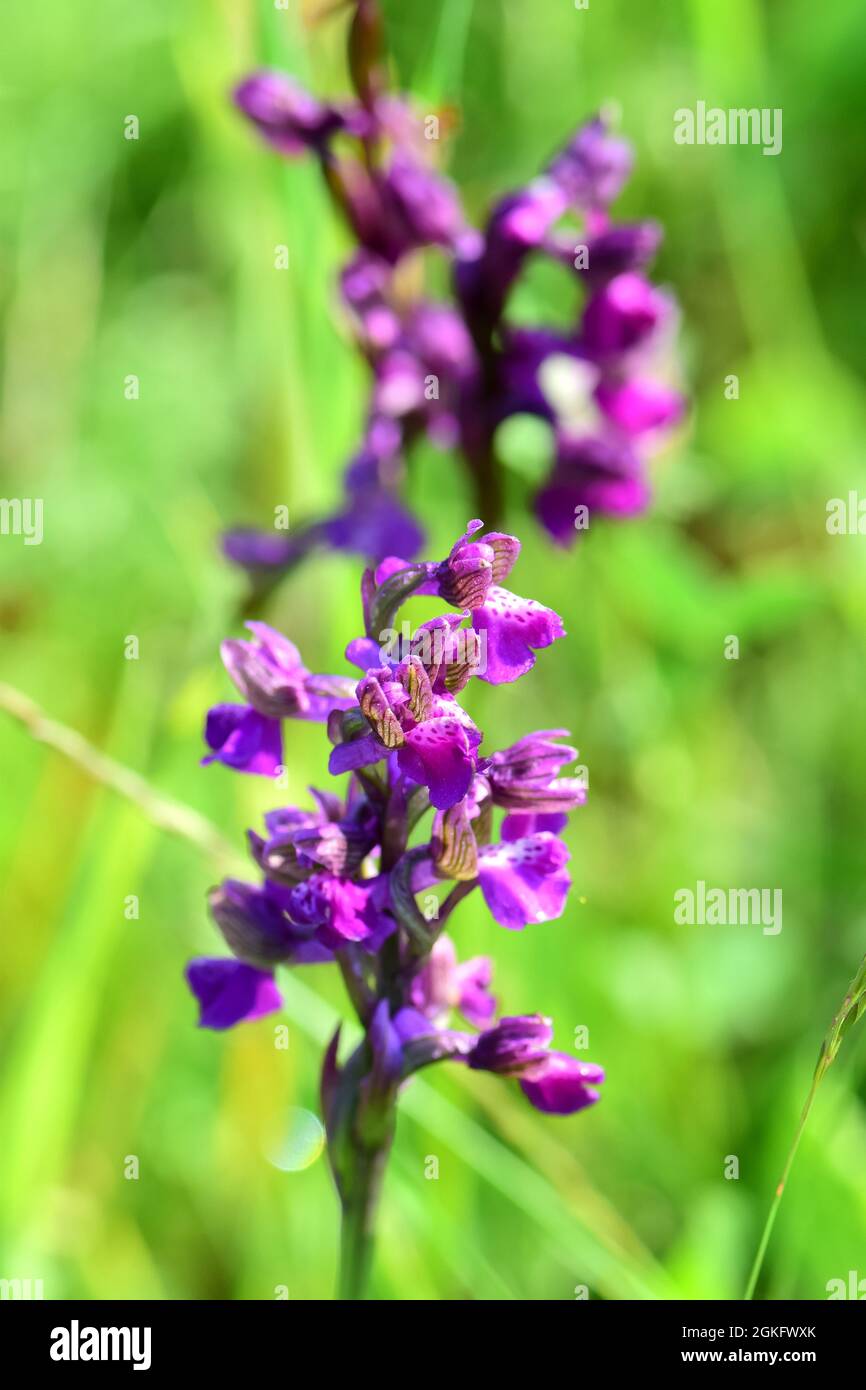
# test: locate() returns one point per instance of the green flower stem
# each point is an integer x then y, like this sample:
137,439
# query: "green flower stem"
359,1208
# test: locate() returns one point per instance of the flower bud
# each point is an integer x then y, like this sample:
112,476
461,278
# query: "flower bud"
512,1044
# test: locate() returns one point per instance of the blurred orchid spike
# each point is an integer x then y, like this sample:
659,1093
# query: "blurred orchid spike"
455,370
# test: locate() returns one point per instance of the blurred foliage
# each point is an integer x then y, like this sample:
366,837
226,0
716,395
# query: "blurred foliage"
155,257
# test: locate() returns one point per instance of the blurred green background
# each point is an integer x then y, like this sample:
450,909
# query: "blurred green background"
155,257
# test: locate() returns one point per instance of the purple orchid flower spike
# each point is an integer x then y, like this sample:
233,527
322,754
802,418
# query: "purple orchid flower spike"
340,879
371,881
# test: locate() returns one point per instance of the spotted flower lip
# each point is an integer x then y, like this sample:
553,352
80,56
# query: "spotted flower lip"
513,628
525,881
437,751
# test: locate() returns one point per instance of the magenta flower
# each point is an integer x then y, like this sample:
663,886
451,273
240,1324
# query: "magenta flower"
524,776
268,671
621,316
552,1081
259,927
289,118
443,985
561,1085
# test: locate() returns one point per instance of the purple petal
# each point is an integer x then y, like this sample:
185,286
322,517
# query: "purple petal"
279,649
621,315
335,905
363,652
561,1085
257,550
436,754
525,880
593,167
512,1045
375,525
515,627
427,203
253,922
361,752
386,1048
289,118
517,825
601,495
229,991
243,739
475,1002
410,1023
605,476
636,407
